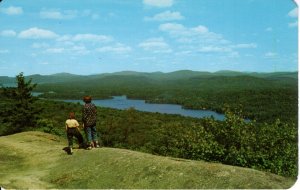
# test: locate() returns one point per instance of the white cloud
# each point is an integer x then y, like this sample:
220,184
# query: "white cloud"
37,33
39,45
90,13
95,16
145,58
12,10
8,33
80,49
165,16
55,50
270,55
44,63
200,39
117,48
155,45
62,48
51,14
3,51
92,37
86,12
56,14
172,27
199,34
214,49
293,24
65,38
233,54
180,30
86,38
158,3
79,44
243,46
269,29
200,29
293,13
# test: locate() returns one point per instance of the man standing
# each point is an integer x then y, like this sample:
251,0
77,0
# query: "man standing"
89,119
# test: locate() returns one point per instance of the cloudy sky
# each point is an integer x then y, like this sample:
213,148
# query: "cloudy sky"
99,36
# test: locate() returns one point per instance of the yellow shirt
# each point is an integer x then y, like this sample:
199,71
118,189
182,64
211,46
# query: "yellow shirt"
72,123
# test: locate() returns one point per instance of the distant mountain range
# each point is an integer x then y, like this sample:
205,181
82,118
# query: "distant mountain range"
182,74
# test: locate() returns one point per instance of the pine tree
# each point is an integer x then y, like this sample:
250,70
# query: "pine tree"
21,112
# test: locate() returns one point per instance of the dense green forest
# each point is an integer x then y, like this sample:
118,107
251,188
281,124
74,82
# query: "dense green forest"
267,142
263,97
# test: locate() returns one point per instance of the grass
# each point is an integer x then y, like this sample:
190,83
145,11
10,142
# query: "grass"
50,167
10,162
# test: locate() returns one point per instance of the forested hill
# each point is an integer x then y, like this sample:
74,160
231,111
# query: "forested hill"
261,96
182,74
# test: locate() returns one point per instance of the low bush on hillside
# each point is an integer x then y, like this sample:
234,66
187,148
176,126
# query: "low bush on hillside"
235,141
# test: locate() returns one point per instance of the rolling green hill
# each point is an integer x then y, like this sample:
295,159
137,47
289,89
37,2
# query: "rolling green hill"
36,160
258,93
264,97
182,74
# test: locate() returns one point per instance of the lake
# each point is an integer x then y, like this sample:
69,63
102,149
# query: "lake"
121,102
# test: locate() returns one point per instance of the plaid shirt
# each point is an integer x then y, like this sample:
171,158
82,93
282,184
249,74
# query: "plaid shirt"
89,115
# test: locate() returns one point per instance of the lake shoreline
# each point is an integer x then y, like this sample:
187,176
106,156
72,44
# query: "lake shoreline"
123,103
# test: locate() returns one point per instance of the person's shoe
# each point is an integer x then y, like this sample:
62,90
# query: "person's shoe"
96,145
70,151
89,148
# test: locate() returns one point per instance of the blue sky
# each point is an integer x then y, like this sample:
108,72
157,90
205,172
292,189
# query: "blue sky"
100,36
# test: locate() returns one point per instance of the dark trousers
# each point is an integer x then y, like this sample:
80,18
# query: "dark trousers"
71,132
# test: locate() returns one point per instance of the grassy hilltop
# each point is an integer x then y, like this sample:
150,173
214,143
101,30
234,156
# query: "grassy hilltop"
36,160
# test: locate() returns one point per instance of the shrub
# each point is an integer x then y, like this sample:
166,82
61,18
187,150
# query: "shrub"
47,126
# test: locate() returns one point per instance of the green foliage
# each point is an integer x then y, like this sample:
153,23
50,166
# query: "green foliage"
235,141
20,111
47,126
184,140
265,146
266,140
264,96
271,147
